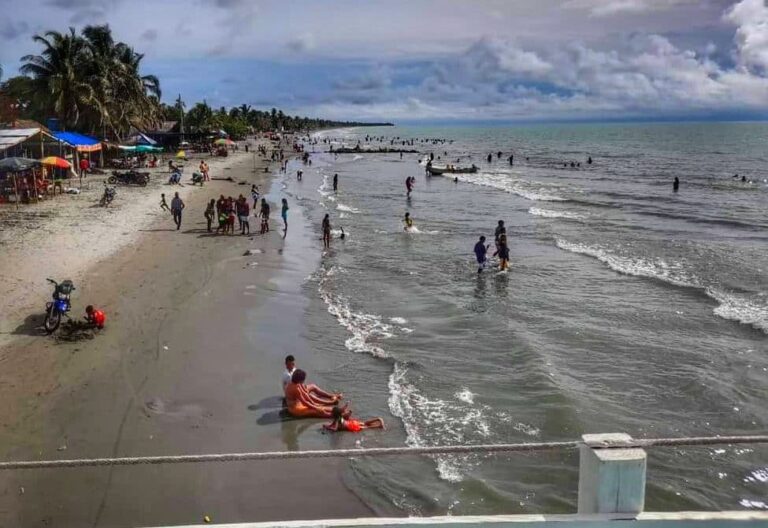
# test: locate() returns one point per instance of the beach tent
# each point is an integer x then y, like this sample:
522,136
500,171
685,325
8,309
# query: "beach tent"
140,138
139,148
14,165
78,142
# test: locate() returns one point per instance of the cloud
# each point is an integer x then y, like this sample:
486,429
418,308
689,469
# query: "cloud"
604,8
12,30
751,19
150,35
302,43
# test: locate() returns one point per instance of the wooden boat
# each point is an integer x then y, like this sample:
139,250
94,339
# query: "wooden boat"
450,169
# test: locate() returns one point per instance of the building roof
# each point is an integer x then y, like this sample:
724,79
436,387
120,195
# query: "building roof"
13,136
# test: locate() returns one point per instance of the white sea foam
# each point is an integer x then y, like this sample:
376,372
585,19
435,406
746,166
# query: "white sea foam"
343,215
505,182
547,213
758,475
754,504
731,306
465,395
432,421
398,320
347,208
356,157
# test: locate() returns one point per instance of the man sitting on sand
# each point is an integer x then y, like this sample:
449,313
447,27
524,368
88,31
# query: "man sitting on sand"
290,368
309,401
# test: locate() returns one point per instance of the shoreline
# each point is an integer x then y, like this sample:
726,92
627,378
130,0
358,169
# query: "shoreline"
177,305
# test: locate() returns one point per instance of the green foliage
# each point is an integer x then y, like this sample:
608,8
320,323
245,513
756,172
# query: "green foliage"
90,82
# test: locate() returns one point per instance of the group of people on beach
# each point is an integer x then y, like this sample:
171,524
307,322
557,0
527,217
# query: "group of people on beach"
306,400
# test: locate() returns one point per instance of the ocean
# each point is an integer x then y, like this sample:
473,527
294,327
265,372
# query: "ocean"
627,308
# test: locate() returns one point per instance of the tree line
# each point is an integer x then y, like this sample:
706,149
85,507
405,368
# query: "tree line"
94,85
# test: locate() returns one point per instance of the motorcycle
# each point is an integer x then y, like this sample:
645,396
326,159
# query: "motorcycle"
130,177
60,305
108,196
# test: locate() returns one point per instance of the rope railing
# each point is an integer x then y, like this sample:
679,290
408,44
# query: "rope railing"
383,451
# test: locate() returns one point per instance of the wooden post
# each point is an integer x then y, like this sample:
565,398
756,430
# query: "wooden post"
16,190
611,480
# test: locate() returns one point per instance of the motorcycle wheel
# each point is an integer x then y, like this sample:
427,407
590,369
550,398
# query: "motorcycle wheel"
112,180
52,320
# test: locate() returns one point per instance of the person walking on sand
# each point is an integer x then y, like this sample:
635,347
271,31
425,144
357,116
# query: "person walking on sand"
163,204
243,212
264,214
335,182
255,195
209,212
327,231
177,206
284,214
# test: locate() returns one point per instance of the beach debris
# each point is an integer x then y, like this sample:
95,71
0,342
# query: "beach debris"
165,347
251,252
206,519
75,330
21,490
62,448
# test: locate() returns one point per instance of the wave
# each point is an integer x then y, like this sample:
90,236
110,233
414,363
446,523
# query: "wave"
547,213
347,208
525,189
730,305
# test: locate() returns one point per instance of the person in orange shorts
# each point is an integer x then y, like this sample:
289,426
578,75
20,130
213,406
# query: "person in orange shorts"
95,317
342,423
309,401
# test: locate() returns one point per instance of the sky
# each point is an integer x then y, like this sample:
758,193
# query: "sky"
410,60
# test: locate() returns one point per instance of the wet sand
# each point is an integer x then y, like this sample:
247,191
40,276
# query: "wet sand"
189,363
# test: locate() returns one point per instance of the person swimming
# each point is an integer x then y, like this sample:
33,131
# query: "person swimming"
408,221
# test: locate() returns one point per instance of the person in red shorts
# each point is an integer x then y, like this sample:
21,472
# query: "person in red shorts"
340,423
95,317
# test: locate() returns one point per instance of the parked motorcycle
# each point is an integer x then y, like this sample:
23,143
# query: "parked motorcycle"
60,305
108,196
130,177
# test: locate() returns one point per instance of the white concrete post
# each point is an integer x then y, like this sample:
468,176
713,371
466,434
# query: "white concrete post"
611,480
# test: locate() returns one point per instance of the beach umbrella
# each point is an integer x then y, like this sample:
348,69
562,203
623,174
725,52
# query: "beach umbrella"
17,164
221,141
55,161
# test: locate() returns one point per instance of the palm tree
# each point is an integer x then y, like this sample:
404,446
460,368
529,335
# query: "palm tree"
59,75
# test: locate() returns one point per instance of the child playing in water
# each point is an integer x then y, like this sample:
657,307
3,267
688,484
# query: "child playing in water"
340,423
503,253
408,221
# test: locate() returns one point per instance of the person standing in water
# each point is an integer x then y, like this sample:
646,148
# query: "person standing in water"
511,159
335,182
676,184
503,252
408,221
500,231
409,185
481,250
284,214
327,231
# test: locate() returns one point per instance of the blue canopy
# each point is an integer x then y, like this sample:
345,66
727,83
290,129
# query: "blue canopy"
80,142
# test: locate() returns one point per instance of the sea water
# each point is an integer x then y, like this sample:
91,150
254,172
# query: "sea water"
628,307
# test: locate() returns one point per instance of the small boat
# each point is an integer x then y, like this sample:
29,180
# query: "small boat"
450,169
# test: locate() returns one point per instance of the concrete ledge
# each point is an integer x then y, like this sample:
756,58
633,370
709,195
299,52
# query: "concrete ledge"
720,519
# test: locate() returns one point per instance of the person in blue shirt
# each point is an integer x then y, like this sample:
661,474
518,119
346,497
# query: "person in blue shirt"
480,252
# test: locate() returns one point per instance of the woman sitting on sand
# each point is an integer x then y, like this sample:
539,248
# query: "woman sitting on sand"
309,401
340,423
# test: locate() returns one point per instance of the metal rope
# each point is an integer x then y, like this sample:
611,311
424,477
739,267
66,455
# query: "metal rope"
383,451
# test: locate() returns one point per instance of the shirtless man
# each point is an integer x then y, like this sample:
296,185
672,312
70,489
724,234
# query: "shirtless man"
309,401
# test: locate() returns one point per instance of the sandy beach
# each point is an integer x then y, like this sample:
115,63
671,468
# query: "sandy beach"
173,372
